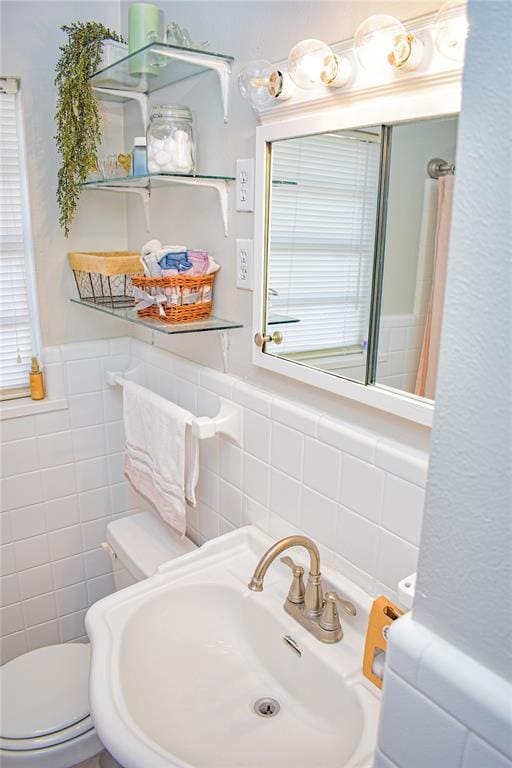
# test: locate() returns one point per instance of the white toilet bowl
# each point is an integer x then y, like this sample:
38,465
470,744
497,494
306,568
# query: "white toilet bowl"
46,720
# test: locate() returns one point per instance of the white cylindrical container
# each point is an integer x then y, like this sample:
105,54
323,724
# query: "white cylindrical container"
170,140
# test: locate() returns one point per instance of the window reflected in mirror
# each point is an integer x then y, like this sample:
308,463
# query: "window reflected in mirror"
323,212
420,190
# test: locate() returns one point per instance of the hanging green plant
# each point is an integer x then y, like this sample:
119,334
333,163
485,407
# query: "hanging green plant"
78,121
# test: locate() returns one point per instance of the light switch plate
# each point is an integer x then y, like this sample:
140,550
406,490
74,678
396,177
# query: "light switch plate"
245,184
244,257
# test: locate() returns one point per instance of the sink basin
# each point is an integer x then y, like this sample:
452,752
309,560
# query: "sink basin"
180,660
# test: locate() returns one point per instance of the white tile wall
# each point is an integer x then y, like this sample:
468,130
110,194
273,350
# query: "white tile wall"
297,470
400,340
440,707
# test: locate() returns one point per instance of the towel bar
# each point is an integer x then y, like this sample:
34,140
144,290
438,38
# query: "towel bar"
228,421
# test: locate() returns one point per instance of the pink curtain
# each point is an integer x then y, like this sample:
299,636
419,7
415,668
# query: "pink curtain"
429,359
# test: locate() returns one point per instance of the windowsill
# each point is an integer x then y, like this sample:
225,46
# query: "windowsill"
15,409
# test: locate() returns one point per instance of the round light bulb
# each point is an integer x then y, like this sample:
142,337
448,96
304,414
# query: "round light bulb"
383,40
451,27
253,83
312,63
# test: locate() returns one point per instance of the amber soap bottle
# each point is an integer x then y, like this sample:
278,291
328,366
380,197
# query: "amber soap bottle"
36,381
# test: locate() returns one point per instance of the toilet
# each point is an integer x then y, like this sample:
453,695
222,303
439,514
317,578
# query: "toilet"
46,721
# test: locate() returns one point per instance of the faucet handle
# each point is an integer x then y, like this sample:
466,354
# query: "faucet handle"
330,618
297,589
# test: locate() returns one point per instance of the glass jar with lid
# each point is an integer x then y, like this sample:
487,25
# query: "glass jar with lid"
170,140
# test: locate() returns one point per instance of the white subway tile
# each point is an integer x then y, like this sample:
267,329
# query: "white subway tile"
5,528
71,599
209,452
186,395
253,398
255,514
318,516
27,522
208,403
12,646
321,467
120,346
100,587
79,350
31,552
220,383
285,495
53,421
94,533
90,474
440,739
256,435
87,410
230,503
65,543
55,449
380,761
68,571
355,574
123,498
35,581
94,504
225,526
51,355
479,754
89,442
61,512
9,589
408,463
356,442
11,619
39,610
357,540
208,521
19,457
362,487
396,559
43,634
287,450
402,511
116,436
22,490
97,563
398,339
7,562
186,369
72,626
112,404
55,381
58,481
18,429
208,489
115,468
255,478
296,416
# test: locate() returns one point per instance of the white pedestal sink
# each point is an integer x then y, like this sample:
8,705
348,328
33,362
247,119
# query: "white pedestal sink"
179,660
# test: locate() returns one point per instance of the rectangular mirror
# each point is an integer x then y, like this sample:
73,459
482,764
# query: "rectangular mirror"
323,212
357,225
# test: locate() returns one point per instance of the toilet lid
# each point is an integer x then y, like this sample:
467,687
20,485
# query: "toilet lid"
44,692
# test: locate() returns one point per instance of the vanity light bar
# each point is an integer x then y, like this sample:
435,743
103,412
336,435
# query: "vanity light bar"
380,42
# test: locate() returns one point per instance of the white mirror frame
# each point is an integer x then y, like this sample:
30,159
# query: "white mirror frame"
433,92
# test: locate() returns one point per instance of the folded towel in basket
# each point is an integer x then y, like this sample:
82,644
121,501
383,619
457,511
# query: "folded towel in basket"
162,455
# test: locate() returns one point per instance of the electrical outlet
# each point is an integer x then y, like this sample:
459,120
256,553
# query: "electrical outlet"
244,251
245,184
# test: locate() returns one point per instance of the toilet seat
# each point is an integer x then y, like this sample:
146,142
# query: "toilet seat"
45,697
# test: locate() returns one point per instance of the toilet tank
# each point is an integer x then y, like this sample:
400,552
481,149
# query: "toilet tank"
139,544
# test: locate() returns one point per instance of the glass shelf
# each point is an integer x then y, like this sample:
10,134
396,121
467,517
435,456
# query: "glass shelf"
156,66
211,324
160,179
276,319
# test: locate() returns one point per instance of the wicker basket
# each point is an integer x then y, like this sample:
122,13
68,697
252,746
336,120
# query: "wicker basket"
187,298
104,277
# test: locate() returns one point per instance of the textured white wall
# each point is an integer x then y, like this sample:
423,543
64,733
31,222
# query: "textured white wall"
465,573
29,49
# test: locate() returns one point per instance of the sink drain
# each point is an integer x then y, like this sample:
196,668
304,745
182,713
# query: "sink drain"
266,707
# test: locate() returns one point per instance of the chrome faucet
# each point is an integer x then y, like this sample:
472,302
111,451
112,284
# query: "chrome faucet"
307,605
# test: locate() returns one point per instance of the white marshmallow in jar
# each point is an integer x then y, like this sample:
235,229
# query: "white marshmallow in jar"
170,140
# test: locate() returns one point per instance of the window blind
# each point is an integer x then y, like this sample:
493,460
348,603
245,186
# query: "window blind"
322,238
15,321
